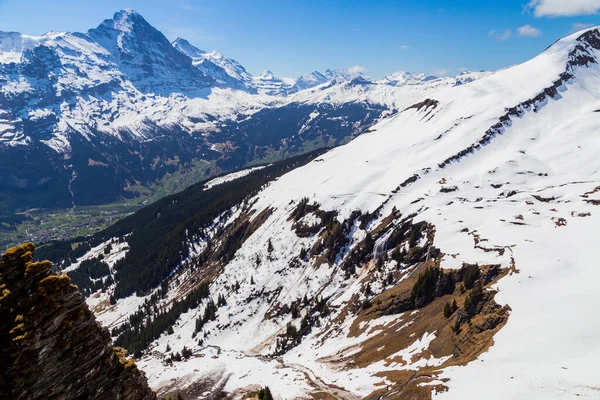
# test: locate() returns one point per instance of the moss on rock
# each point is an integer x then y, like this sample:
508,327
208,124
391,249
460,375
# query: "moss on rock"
55,349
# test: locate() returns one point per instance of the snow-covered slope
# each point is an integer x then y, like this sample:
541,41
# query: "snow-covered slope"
501,175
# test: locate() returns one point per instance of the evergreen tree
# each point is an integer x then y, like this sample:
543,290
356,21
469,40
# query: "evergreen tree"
456,326
108,249
270,247
447,310
365,304
390,278
472,300
144,326
470,276
305,300
291,330
210,311
423,290
267,394
379,264
186,353
295,311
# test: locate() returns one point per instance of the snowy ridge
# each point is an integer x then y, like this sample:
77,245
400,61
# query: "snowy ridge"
406,78
226,71
230,177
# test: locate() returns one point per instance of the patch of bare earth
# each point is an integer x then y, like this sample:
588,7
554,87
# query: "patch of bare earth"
460,337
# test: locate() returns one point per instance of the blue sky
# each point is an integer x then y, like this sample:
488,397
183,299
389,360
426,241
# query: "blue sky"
292,37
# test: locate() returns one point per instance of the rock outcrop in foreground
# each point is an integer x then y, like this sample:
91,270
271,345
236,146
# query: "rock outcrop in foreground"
51,346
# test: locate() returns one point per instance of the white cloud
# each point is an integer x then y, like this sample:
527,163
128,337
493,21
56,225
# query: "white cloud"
463,69
577,26
440,72
501,35
356,69
563,8
404,47
529,31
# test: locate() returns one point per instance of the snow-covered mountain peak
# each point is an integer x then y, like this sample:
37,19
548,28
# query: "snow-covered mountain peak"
267,75
407,78
402,78
187,48
340,74
230,73
11,47
471,76
146,56
123,31
126,20
361,80
129,32
269,83
226,71
13,44
313,79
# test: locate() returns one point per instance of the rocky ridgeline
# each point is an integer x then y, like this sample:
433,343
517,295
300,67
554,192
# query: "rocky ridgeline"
51,346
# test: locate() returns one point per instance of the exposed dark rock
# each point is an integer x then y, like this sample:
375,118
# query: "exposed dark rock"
50,343
448,189
544,199
425,104
410,180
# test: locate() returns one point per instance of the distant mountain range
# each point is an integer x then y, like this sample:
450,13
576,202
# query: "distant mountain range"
88,118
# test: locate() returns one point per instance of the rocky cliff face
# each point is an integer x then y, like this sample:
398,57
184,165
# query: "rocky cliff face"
51,346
